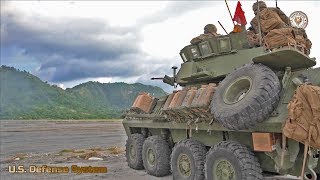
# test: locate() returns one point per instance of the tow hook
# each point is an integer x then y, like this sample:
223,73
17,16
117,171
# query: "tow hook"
312,163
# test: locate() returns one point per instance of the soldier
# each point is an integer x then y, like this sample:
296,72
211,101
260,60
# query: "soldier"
262,5
270,18
210,30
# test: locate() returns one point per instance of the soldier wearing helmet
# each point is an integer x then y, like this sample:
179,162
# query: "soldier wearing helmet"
270,18
262,5
210,30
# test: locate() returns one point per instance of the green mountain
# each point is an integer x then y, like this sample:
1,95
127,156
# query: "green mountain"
25,96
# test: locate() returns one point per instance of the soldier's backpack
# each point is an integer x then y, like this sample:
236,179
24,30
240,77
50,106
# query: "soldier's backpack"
279,37
303,123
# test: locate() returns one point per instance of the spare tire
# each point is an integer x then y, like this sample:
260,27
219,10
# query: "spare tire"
246,96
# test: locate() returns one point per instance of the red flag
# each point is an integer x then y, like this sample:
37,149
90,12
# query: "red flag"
239,16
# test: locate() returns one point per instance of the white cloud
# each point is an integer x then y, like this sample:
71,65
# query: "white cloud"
117,13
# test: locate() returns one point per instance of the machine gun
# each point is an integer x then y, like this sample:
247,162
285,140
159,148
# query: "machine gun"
169,80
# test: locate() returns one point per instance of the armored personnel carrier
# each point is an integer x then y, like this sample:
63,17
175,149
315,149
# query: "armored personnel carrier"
226,122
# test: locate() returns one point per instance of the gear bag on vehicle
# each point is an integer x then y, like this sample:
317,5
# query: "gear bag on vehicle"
279,37
303,122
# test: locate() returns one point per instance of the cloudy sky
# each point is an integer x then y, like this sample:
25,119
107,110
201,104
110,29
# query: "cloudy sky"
70,42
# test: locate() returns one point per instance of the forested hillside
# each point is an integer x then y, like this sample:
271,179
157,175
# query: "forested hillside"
25,96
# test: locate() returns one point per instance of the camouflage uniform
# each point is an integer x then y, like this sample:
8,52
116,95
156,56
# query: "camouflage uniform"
275,21
270,18
262,5
210,30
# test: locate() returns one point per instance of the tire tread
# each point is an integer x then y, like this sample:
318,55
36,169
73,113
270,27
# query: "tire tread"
260,106
199,153
163,152
139,140
249,165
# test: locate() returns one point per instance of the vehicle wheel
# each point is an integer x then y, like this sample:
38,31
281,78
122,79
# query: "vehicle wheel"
187,160
245,97
156,156
134,151
231,160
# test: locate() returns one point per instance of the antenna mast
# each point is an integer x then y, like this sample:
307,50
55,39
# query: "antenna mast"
229,12
259,25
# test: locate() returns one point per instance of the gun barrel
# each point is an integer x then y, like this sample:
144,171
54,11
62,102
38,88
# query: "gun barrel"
156,78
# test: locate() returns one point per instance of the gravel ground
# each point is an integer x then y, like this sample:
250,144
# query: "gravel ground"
42,143
63,144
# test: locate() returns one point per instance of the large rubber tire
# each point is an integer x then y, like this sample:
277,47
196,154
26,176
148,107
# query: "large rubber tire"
245,97
187,160
231,160
156,156
134,151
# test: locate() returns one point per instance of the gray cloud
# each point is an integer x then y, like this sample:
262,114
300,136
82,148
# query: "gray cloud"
70,49
73,69
74,38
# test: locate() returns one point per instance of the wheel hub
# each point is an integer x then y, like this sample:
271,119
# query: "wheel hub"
223,170
151,157
132,152
237,90
184,165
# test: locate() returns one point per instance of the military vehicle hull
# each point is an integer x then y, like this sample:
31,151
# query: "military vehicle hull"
211,134
192,139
